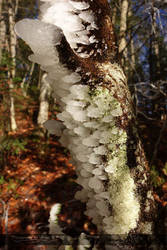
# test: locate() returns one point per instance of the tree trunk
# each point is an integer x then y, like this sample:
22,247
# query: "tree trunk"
114,14
29,75
154,49
122,35
43,101
2,30
97,111
12,10
132,59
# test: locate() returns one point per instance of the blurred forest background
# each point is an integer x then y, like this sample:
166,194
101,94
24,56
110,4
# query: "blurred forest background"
35,171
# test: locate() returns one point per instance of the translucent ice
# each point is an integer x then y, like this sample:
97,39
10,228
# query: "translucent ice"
54,127
79,5
38,35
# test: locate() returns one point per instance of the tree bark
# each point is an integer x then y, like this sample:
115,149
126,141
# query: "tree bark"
122,35
43,101
154,49
2,30
12,10
132,59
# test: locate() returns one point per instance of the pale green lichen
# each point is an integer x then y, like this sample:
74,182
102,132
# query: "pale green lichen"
125,204
121,186
106,103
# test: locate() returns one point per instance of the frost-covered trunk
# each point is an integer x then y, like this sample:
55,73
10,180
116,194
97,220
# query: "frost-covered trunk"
43,101
74,42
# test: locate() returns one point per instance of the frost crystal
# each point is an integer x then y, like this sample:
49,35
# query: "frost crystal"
101,150
54,127
79,5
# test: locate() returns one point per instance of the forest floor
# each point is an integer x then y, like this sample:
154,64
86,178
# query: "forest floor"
36,173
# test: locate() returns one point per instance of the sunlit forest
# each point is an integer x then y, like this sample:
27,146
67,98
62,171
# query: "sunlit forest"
36,171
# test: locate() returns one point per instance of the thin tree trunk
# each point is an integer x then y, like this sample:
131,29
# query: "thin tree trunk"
122,35
131,59
114,14
43,101
154,49
132,54
22,85
132,48
2,30
12,9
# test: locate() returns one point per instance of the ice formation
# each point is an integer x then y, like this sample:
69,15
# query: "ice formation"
89,116
75,19
53,219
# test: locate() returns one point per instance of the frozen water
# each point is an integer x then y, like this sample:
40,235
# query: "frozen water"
79,5
101,150
76,103
43,59
93,112
90,141
91,124
107,118
105,137
84,132
61,92
96,134
112,166
95,159
80,91
95,183
81,157
93,39
104,195
97,171
77,113
38,35
63,14
64,116
84,173
81,195
87,16
88,167
72,78
54,127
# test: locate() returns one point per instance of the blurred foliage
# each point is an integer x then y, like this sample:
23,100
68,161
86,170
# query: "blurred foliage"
12,184
13,145
156,179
